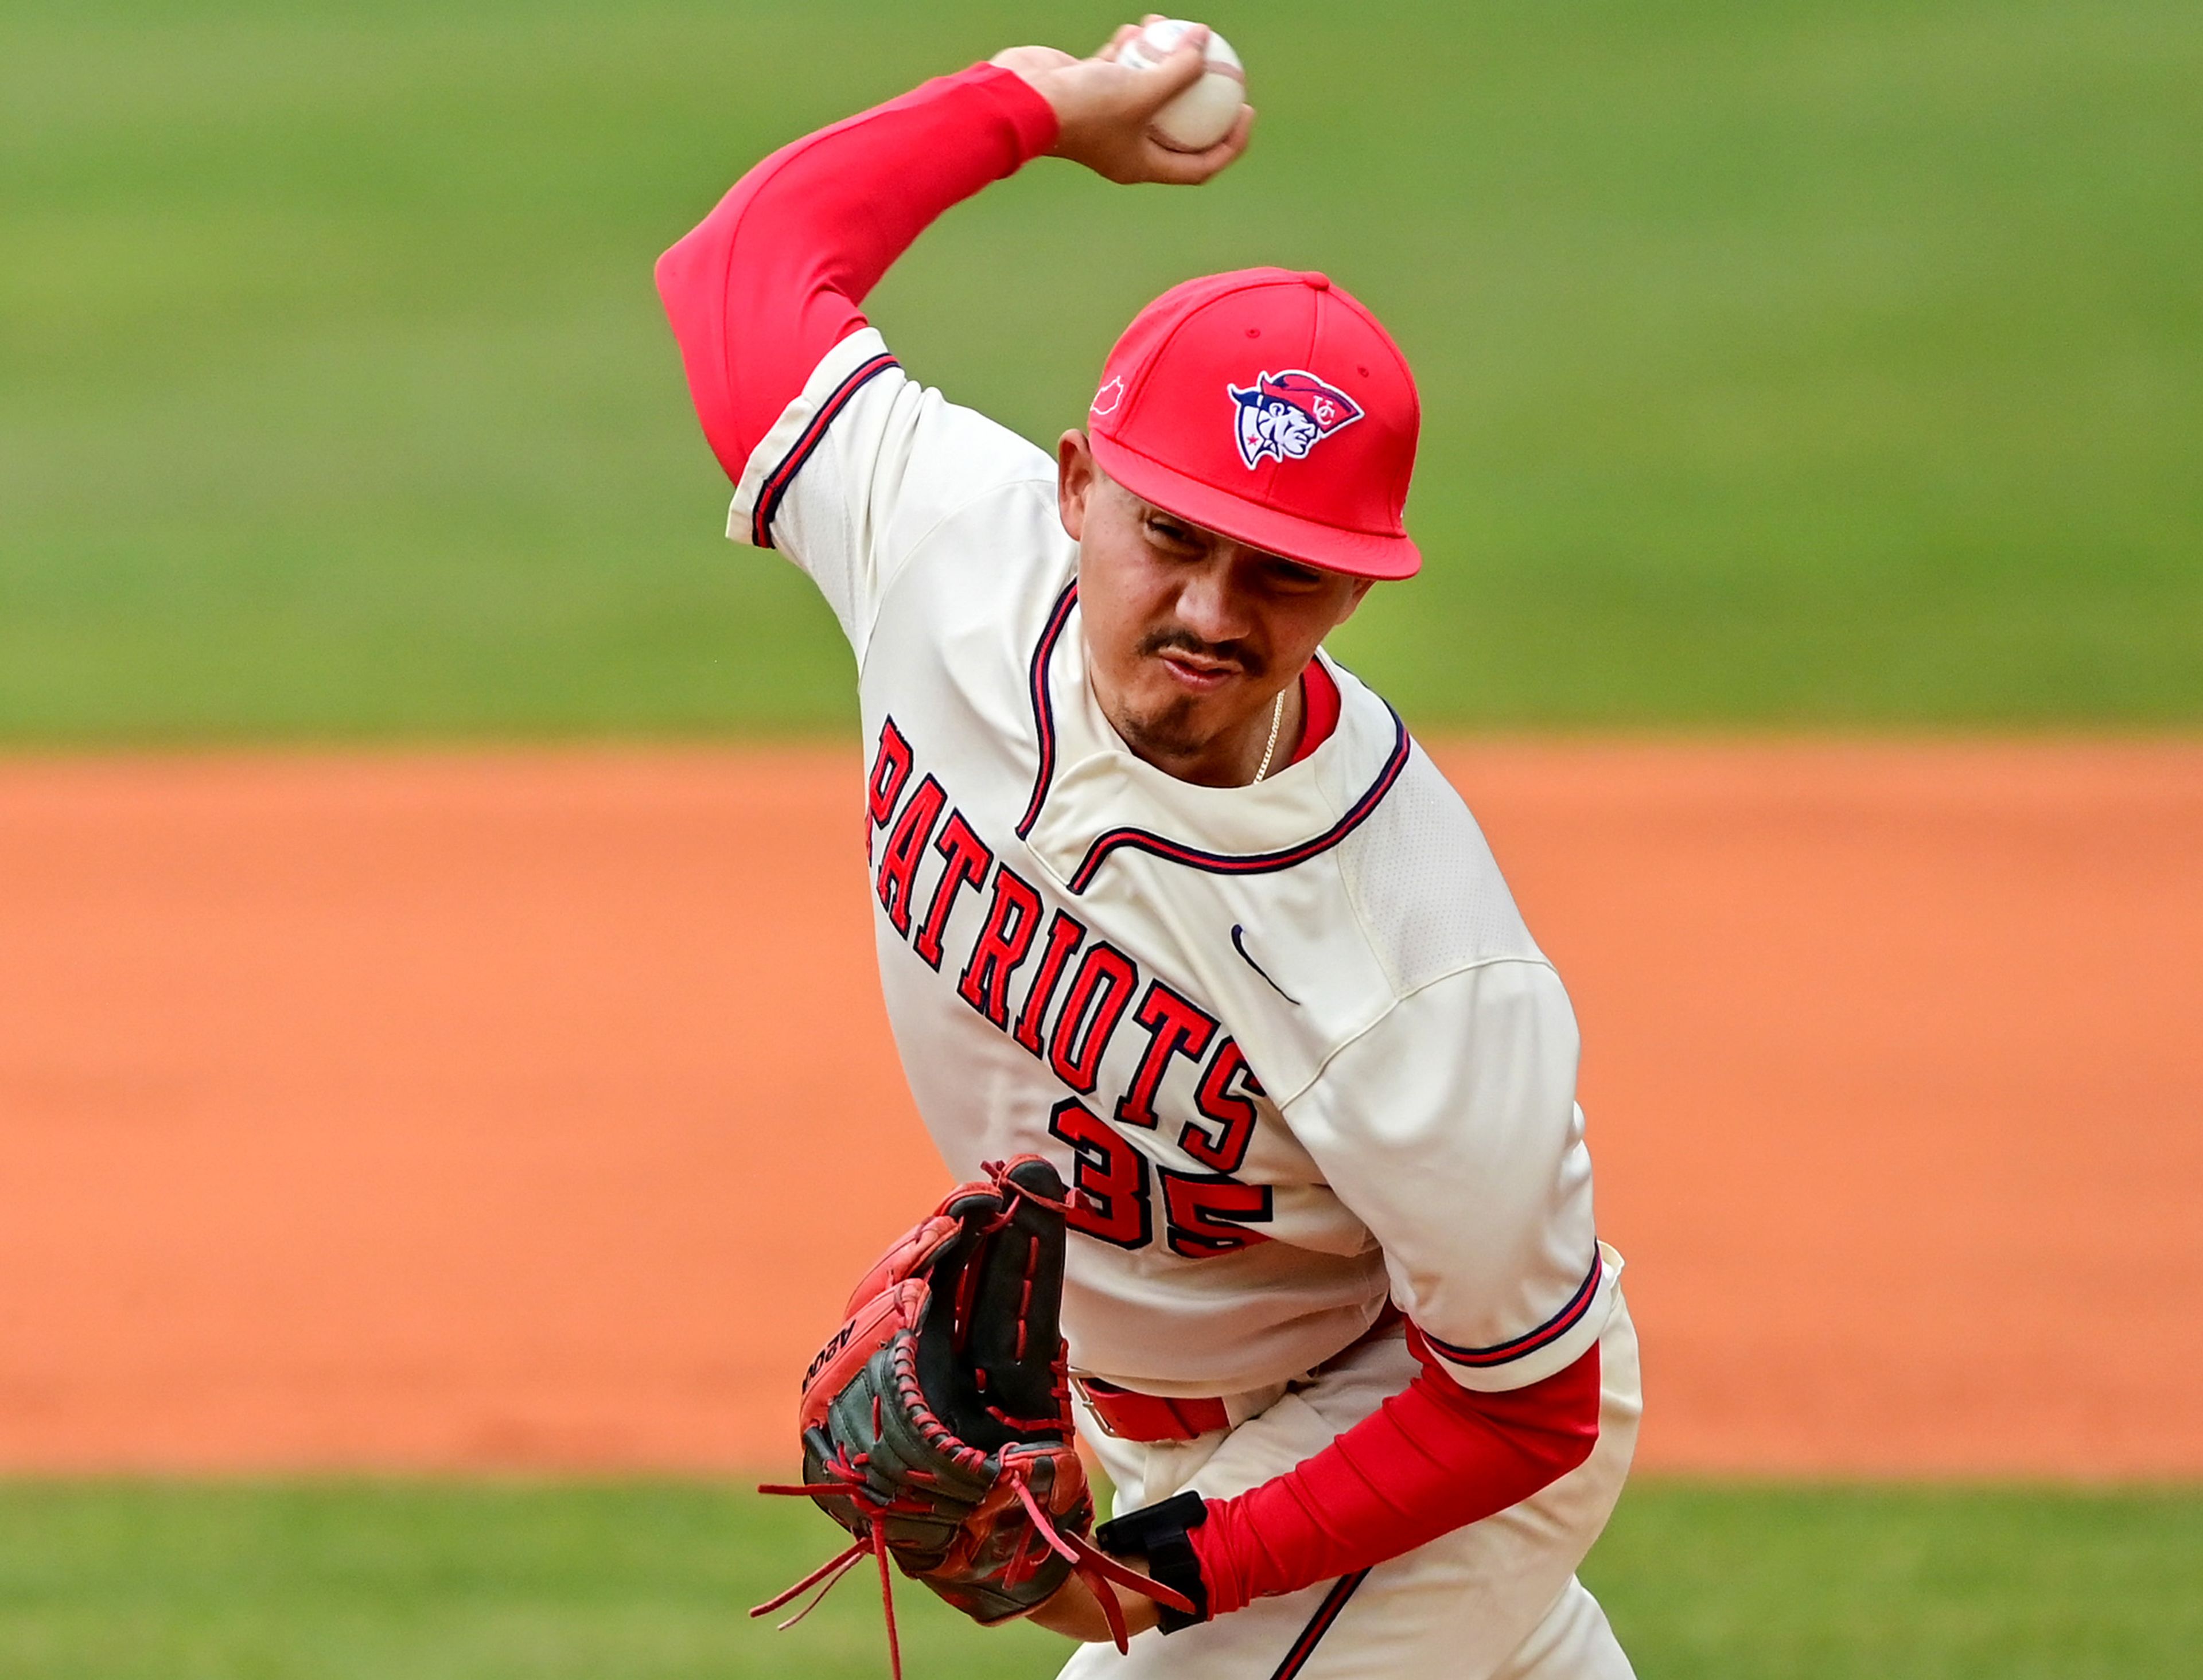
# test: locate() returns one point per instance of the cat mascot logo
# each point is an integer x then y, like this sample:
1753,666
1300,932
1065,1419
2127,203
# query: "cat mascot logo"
1285,415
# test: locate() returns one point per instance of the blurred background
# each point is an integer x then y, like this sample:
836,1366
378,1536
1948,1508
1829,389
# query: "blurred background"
431,944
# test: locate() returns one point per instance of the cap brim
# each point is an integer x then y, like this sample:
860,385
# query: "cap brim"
1357,553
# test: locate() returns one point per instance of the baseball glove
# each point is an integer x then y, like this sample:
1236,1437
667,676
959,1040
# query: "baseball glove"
936,1422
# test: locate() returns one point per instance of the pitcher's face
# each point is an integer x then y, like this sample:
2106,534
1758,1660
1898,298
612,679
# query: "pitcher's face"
1190,635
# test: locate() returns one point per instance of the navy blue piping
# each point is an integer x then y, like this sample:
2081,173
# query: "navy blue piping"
1253,862
1319,1624
775,485
1552,1330
1043,704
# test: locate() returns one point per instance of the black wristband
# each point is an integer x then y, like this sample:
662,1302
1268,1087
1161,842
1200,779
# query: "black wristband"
1158,1533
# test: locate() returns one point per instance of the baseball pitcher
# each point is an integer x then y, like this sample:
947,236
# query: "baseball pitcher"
1166,898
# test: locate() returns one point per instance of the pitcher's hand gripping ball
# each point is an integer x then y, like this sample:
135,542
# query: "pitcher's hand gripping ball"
1203,114
937,1420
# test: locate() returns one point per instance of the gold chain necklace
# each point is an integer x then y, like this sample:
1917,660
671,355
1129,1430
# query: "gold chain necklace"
1277,717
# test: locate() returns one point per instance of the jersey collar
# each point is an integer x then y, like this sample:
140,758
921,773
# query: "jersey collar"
1095,801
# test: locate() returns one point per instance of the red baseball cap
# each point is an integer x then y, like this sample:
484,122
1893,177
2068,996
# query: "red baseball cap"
1270,406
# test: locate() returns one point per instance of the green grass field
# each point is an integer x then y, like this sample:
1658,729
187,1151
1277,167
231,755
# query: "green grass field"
649,1581
1834,363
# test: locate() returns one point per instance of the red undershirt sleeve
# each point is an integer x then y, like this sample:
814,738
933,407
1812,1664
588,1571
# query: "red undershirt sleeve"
1432,1458
771,279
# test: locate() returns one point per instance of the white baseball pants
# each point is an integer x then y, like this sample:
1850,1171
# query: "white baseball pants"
1498,1599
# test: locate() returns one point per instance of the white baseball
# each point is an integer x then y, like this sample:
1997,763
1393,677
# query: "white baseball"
1203,114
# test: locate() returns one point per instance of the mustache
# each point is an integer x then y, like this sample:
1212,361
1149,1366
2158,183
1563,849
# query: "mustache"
1249,663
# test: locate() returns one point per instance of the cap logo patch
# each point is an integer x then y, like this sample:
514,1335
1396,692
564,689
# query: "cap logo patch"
1285,415
1107,399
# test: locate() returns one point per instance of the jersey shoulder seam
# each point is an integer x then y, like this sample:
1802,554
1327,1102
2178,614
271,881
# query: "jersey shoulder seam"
1376,947
887,584
1466,965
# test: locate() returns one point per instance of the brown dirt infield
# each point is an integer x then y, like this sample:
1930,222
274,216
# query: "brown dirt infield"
533,1109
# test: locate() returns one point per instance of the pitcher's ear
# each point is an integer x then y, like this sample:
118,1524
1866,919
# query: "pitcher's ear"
1075,478
1361,587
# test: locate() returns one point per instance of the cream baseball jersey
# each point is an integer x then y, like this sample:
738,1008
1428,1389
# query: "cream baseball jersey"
1290,1042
